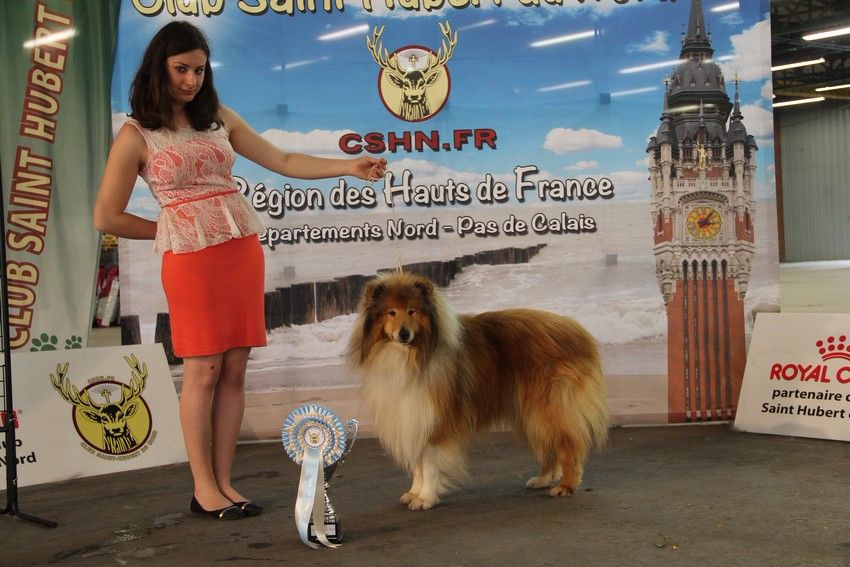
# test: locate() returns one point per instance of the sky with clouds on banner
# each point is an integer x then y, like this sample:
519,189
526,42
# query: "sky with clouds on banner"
543,101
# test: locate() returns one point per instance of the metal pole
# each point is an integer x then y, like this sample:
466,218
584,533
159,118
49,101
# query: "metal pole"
11,418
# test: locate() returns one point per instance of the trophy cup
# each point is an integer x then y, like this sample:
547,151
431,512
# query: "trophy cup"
333,528
314,437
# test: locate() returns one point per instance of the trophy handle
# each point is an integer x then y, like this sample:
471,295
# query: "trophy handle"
353,430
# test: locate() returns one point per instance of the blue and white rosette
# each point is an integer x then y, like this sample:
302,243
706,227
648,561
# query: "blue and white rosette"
314,437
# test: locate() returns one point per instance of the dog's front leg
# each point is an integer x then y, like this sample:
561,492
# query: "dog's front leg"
416,487
431,481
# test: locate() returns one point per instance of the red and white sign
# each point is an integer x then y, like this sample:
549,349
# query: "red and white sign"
797,379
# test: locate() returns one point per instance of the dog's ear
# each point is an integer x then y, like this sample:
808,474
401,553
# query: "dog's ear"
425,287
372,292
375,290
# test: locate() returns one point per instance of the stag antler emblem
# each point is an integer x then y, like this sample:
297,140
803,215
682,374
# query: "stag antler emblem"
414,71
112,416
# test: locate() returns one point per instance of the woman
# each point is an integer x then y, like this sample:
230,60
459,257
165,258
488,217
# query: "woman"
182,142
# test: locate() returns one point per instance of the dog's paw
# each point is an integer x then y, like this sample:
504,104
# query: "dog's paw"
561,490
417,503
407,498
538,482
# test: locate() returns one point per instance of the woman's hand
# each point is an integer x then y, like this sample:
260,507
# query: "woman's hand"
368,168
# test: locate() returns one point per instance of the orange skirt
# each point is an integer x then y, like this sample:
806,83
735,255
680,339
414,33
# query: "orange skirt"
216,297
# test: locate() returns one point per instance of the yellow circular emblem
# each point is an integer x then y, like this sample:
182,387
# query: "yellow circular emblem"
111,418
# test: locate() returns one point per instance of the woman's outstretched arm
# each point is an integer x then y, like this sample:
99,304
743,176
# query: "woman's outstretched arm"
251,145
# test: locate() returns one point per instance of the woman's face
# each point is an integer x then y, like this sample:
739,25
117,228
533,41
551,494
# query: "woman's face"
186,74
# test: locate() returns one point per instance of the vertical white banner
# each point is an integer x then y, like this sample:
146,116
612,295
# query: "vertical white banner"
54,135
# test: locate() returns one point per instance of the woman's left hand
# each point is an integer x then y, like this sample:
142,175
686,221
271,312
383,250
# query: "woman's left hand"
369,168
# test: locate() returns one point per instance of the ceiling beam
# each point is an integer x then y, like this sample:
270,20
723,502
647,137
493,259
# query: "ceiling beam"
790,21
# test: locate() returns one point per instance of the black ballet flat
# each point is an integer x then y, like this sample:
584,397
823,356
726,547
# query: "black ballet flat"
233,512
250,508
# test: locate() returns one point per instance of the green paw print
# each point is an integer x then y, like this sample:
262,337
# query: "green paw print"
44,342
73,342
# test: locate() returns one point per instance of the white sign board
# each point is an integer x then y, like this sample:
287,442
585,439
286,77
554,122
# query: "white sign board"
85,412
797,379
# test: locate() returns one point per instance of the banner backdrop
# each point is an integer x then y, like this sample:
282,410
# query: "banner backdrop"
526,166
54,135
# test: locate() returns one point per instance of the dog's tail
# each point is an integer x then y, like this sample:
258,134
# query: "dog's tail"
591,405
578,399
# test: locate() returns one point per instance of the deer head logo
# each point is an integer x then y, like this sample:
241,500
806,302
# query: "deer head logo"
414,81
105,425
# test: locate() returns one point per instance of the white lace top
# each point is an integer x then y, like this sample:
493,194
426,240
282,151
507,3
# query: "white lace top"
189,174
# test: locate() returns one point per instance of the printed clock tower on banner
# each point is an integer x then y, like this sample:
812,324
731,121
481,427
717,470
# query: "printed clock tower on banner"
702,167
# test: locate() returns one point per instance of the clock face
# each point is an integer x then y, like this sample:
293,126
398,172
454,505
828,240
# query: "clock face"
703,222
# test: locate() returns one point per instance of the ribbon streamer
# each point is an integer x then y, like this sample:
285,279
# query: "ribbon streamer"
311,499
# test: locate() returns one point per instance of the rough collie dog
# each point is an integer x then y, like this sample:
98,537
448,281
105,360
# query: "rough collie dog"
432,378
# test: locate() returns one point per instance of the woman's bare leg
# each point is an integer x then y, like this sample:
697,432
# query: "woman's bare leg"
200,382
228,409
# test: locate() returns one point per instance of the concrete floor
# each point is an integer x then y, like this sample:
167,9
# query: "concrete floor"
669,495
656,496
815,287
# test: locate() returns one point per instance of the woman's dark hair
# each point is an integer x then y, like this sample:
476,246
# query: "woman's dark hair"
150,101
